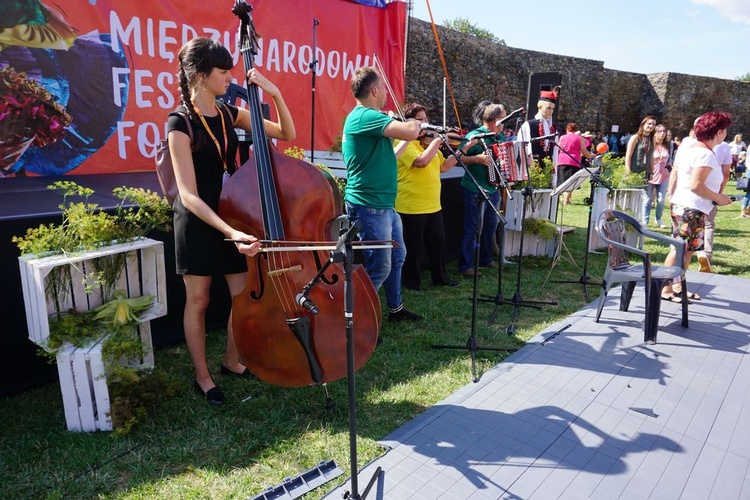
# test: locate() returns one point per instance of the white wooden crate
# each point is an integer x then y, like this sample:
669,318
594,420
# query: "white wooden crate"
545,207
629,201
532,245
83,383
144,274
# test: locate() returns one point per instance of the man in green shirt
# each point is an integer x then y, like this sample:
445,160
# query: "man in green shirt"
371,183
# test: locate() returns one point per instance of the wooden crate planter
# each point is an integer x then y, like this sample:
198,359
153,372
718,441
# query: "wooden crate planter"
629,201
83,383
144,274
545,207
82,377
532,245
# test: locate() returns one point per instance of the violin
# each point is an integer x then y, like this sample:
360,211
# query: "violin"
289,200
454,138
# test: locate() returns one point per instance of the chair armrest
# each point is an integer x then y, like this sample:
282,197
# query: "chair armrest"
662,237
679,244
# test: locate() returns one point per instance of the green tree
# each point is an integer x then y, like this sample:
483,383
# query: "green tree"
463,25
744,78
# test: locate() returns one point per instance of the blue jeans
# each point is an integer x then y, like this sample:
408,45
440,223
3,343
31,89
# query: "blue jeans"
383,266
660,192
474,214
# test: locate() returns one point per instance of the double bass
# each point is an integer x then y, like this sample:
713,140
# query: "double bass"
287,200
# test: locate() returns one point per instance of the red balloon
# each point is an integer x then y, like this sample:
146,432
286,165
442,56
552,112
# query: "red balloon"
602,148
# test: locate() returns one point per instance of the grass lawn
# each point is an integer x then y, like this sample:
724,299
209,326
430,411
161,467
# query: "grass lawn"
188,449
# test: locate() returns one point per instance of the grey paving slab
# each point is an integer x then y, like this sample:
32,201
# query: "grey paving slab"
593,412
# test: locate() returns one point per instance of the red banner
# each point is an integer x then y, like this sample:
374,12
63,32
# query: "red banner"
109,67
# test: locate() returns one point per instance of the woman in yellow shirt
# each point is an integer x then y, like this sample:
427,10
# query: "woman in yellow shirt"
418,203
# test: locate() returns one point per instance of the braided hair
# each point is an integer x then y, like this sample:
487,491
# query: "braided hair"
197,59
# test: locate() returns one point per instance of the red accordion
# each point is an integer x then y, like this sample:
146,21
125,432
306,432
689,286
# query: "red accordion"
505,157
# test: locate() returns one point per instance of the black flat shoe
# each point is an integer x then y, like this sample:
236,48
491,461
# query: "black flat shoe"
448,282
245,374
214,395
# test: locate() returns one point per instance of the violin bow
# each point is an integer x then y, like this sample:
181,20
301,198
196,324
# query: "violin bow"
306,246
388,87
445,65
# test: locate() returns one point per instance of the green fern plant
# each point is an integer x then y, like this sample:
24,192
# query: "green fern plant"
613,172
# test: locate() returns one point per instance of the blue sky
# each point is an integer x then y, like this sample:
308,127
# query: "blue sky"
697,37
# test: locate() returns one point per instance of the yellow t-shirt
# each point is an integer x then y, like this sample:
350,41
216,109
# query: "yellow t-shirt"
418,187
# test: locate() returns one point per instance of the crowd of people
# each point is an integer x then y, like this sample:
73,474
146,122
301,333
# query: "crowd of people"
393,186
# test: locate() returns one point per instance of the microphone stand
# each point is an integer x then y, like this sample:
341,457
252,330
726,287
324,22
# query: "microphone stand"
314,67
344,253
594,179
471,343
518,300
498,299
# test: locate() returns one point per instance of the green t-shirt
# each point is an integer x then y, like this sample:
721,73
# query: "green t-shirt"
371,172
479,171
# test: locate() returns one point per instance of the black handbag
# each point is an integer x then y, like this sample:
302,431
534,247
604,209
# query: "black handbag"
743,184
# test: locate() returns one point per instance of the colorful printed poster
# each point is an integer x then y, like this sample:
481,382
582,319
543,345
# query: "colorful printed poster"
86,86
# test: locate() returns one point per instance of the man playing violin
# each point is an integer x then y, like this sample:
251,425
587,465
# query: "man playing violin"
371,186
475,213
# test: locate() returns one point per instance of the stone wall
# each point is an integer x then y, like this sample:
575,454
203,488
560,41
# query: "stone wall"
592,95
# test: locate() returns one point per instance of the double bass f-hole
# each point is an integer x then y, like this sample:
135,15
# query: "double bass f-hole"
257,295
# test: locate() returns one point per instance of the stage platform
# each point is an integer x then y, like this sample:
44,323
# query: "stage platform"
593,412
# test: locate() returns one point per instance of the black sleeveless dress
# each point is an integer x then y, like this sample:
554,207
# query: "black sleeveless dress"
199,248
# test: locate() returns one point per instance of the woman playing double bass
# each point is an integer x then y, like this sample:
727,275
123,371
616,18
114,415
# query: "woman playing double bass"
201,252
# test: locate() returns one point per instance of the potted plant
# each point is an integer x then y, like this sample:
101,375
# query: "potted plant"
91,284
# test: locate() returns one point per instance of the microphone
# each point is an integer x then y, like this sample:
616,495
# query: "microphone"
544,137
302,300
485,135
434,128
519,111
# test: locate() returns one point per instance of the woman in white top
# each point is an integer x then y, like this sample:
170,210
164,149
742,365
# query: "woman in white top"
698,182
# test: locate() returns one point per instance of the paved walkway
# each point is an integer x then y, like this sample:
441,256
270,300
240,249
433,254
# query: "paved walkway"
593,412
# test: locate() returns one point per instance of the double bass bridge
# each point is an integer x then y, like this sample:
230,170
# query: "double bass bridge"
279,272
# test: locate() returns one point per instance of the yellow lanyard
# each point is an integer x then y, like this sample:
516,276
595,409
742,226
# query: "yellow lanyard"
223,154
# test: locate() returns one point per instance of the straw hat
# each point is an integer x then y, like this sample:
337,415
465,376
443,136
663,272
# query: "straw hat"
587,134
